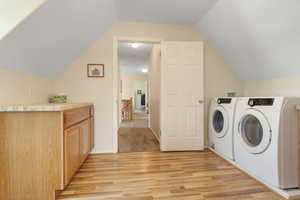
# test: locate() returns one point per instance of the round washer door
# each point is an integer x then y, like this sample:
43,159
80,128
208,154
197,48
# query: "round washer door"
255,132
220,122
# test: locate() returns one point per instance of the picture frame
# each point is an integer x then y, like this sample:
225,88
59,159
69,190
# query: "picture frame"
95,70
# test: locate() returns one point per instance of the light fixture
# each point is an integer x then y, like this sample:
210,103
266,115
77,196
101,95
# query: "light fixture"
135,45
144,70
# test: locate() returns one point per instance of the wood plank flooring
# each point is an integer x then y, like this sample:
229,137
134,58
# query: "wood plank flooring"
137,140
163,176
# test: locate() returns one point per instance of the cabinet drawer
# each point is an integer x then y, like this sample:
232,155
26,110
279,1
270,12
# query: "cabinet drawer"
76,115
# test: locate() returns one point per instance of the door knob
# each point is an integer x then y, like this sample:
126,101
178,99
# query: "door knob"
200,101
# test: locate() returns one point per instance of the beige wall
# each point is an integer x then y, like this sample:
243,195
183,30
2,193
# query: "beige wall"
154,88
219,79
288,86
21,88
15,11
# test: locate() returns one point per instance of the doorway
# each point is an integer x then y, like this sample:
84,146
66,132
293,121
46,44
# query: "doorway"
180,117
135,133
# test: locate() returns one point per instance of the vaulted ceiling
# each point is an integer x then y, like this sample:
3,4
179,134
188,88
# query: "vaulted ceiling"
163,11
47,41
258,39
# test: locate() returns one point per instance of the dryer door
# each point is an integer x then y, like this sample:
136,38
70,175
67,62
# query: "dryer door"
255,132
220,122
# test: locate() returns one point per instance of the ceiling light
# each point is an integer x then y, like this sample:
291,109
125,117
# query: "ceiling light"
144,70
135,45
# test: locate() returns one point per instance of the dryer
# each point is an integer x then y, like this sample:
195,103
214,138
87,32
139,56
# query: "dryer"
221,119
266,139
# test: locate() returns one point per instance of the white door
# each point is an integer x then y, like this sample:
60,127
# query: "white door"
182,108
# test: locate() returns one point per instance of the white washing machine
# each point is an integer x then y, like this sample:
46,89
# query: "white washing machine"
221,119
266,139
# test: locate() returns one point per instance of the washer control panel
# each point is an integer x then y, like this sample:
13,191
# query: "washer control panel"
224,101
261,102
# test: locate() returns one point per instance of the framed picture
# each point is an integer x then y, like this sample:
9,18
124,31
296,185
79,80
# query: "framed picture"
95,70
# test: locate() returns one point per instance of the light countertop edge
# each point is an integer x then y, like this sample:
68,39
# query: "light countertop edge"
43,107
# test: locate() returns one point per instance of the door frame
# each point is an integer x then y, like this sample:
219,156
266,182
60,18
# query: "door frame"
116,81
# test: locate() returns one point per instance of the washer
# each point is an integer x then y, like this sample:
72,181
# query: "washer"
221,120
266,139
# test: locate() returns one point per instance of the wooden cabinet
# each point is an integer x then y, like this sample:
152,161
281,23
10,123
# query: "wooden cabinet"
74,116
71,152
85,140
92,136
40,151
77,140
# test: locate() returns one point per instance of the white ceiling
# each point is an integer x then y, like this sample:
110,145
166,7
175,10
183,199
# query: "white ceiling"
133,60
258,39
11,15
163,11
55,34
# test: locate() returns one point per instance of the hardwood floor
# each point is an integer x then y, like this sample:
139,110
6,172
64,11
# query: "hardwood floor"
137,140
163,176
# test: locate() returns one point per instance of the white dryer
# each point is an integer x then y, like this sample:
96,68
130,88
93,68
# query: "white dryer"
266,137
221,119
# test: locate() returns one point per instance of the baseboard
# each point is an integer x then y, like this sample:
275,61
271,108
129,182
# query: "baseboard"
94,151
287,194
155,134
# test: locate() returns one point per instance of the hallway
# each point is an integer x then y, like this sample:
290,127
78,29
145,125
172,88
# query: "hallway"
140,120
137,140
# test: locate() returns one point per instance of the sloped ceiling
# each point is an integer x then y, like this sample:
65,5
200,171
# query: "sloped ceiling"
14,11
55,35
163,11
258,39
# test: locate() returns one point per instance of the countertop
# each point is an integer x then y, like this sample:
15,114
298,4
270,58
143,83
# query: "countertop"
42,107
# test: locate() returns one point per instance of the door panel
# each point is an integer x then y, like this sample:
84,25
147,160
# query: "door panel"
182,89
72,152
92,134
85,140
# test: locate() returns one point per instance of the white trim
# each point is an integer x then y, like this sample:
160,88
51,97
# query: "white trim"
155,134
101,152
116,78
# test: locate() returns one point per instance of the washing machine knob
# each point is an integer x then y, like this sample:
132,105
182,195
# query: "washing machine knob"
219,101
251,103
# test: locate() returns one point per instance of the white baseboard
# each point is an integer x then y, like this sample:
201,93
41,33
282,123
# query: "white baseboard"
155,134
287,194
94,151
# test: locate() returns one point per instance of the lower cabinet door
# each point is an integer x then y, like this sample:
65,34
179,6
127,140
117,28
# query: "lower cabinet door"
72,152
92,134
85,140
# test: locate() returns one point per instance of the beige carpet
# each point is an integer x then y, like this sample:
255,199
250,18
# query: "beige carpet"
137,140
140,120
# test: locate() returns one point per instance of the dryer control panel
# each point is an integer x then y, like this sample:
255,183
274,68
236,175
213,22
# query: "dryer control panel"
224,100
261,102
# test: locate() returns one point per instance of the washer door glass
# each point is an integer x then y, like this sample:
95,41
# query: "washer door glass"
255,131
252,131
219,122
